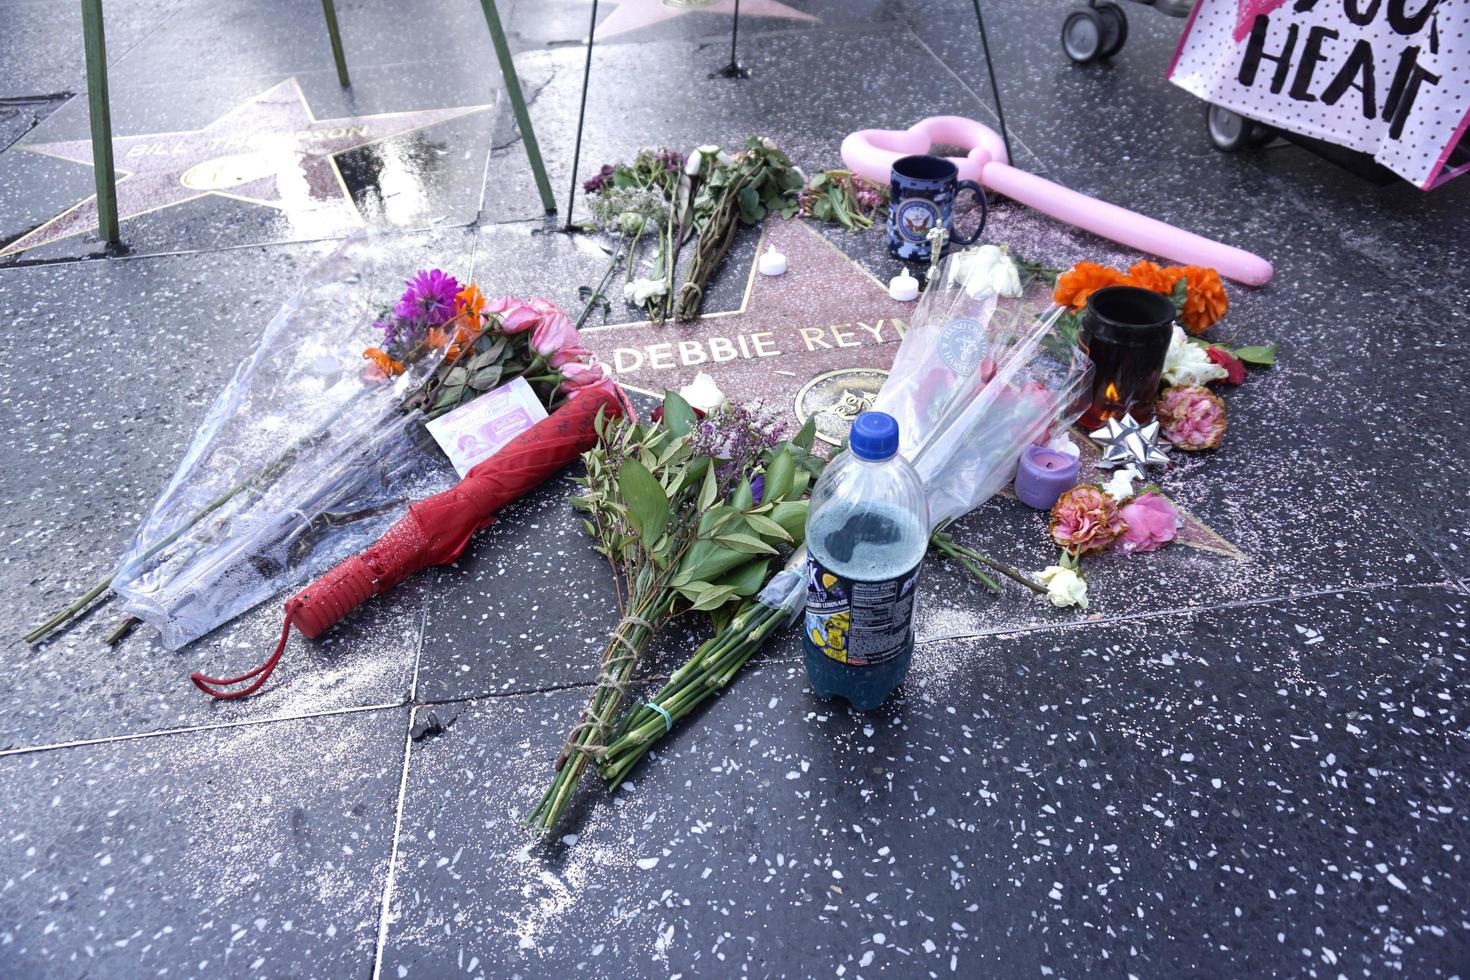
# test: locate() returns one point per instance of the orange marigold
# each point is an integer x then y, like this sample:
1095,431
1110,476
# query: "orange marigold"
438,337
464,339
1150,275
1084,279
1206,302
469,302
383,362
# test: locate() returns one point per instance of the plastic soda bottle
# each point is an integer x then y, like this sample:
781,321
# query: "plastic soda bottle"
866,533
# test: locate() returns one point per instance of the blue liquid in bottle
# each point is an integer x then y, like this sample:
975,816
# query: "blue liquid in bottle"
866,534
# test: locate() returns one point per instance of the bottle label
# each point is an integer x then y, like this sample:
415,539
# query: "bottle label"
862,624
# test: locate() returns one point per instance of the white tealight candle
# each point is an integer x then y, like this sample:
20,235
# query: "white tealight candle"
903,287
772,262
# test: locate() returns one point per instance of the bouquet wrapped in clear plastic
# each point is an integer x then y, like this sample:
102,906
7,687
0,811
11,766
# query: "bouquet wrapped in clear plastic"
316,444
977,379
300,461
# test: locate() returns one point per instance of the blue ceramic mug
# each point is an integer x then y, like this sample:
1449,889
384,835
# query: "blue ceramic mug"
921,197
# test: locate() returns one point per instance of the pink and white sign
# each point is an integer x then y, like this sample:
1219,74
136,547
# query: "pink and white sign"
1388,77
477,430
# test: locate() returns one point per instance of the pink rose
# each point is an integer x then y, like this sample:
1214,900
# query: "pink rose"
578,374
1191,417
1085,519
569,354
553,332
516,316
1152,523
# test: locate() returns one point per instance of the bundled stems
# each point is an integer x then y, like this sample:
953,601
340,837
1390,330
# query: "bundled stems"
619,661
712,667
709,251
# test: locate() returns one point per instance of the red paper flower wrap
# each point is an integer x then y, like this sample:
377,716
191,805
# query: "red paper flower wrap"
436,529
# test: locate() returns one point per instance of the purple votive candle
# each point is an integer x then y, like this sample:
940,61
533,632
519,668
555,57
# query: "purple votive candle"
1043,475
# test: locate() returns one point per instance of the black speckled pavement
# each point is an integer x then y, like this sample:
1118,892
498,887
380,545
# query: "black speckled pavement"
1241,762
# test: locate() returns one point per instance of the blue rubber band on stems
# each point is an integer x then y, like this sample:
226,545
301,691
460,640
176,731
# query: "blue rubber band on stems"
668,718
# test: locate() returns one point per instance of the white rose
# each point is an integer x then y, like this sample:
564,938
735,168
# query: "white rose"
1064,587
1188,364
1120,485
702,393
986,269
640,291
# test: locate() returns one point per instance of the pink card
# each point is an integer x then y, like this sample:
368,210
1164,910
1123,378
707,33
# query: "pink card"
477,430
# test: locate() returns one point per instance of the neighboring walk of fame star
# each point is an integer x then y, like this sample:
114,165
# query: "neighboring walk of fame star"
269,150
826,321
633,14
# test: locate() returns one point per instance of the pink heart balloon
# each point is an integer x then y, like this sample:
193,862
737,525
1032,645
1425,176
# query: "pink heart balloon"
870,153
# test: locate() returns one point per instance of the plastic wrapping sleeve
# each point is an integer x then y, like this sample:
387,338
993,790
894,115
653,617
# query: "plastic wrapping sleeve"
435,530
785,593
300,461
975,381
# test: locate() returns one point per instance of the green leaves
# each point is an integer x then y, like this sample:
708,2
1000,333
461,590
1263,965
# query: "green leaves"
807,435
1261,355
679,417
1180,294
648,508
779,474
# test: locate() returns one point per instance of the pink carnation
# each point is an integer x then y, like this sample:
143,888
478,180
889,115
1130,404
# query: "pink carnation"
1085,519
1152,523
1191,417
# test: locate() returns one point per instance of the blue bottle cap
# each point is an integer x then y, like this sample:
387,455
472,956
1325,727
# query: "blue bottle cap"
874,436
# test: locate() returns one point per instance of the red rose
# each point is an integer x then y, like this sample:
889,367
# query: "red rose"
1233,365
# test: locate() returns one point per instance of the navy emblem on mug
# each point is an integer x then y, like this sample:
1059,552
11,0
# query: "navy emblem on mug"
916,218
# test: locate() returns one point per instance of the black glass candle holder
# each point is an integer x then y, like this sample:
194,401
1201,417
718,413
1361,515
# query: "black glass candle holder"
1126,332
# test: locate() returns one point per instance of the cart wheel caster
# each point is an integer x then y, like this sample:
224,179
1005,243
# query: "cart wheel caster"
1083,35
1115,27
1229,131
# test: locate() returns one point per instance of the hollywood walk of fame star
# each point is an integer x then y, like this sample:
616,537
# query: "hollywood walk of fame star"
269,150
819,339
633,14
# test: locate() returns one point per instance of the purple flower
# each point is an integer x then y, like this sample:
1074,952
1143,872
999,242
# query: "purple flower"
758,487
429,299
594,183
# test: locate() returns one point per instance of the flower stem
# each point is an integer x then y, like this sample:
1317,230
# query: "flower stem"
592,300
945,542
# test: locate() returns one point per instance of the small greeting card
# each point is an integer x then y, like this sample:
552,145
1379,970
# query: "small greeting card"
477,430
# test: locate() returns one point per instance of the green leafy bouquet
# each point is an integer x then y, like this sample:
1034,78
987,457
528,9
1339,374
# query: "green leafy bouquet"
690,513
